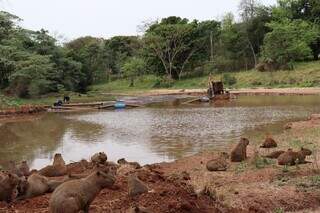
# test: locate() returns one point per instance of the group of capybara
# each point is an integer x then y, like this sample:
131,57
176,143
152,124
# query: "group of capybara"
74,186
239,154
71,193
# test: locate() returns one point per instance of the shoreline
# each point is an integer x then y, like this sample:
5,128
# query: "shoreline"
185,185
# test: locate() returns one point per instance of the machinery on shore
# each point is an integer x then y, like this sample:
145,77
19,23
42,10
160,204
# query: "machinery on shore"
216,91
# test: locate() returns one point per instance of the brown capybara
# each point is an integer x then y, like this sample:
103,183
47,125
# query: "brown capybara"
123,161
76,195
8,187
24,168
239,153
79,167
274,155
37,185
218,164
269,143
99,158
13,169
58,168
136,186
291,158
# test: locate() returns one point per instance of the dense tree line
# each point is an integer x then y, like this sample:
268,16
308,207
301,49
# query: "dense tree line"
268,38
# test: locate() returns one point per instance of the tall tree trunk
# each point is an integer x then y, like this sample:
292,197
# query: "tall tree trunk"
253,53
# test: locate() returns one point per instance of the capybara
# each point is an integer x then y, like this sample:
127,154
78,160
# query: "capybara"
218,164
239,153
37,185
76,195
274,155
136,186
99,158
269,143
122,161
291,158
8,187
57,169
12,168
24,168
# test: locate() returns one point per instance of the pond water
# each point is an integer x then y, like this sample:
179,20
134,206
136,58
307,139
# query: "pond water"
160,132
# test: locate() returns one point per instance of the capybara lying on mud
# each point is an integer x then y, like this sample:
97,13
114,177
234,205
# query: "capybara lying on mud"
218,164
269,143
76,195
291,158
37,185
58,168
8,186
99,158
123,161
136,186
239,153
274,155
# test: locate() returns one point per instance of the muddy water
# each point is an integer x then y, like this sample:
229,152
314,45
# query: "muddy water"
160,132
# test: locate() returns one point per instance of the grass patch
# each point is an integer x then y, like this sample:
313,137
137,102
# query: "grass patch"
305,74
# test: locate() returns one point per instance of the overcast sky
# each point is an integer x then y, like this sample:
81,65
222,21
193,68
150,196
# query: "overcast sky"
106,18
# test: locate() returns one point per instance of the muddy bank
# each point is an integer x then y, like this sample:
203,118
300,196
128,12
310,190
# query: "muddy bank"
152,96
255,185
249,91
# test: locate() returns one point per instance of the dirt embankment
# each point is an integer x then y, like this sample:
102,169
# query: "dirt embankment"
249,91
255,185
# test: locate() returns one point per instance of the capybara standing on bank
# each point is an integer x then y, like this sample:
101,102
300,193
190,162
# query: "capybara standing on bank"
239,153
57,169
76,195
269,143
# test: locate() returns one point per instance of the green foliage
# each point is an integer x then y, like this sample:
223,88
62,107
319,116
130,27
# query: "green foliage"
288,41
174,45
134,67
279,210
163,83
228,79
241,167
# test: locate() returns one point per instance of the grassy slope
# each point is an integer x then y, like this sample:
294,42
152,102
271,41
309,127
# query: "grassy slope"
304,75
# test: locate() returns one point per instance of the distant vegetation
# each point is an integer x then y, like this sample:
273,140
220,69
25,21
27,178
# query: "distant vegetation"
305,74
170,52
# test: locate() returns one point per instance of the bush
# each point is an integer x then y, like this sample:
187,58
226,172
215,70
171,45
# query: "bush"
229,79
163,82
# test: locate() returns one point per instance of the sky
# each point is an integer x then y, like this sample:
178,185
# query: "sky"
106,18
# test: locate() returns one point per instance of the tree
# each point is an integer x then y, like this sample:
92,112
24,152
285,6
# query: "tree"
307,10
89,52
177,43
6,69
118,49
134,67
248,12
288,41
33,76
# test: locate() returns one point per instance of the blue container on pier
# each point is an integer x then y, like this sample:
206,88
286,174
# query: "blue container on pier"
120,105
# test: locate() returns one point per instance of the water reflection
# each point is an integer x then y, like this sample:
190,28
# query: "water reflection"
163,132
